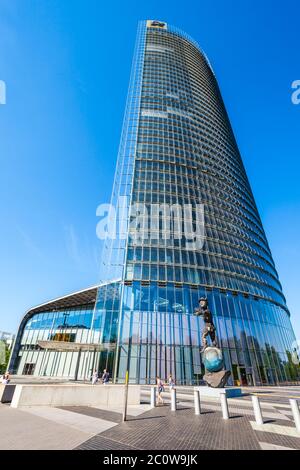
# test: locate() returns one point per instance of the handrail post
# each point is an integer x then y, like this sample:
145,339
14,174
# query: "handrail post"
197,402
224,405
173,399
296,413
257,410
153,397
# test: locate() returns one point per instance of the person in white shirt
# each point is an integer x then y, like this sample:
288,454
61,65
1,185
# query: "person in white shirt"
6,378
94,377
171,382
160,389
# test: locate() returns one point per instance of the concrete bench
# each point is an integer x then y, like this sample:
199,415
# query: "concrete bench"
109,396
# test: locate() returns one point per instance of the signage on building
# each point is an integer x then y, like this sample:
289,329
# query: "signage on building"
156,24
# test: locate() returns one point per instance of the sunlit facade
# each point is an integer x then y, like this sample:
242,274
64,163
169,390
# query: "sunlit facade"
177,148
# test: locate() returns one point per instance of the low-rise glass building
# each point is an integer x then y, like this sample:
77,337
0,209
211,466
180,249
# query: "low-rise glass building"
178,168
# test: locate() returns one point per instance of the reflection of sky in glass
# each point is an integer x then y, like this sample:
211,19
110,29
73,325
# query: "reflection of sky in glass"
61,320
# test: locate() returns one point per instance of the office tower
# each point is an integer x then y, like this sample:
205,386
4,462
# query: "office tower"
179,173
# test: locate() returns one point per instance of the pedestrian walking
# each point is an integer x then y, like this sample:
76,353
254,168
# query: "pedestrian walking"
6,378
160,389
105,377
94,377
171,382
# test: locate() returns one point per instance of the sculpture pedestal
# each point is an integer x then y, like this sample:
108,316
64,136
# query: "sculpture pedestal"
210,392
217,379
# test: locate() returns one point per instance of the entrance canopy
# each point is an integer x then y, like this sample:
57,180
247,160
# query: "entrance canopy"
69,346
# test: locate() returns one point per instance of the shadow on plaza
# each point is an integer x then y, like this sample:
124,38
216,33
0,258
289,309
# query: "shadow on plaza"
143,418
166,406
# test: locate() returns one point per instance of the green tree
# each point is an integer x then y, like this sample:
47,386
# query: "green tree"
4,356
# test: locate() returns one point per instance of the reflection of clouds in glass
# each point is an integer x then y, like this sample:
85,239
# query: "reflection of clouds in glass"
178,307
162,302
296,352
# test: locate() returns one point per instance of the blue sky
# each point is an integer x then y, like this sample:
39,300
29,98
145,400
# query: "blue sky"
66,65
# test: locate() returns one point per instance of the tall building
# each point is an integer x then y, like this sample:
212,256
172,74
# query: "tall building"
187,226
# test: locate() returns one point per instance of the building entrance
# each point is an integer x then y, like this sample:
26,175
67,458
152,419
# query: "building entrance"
28,368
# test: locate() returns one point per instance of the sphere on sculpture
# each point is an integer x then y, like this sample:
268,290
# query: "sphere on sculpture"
213,359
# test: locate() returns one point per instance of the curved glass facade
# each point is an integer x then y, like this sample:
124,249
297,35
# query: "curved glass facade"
186,154
177,150
74,320
160,335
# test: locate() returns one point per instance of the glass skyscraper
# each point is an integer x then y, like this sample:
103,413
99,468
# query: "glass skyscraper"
178,167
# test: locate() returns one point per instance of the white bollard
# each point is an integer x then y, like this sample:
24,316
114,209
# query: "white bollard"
296,413
173,399
224,405
197,401
257,410
153,397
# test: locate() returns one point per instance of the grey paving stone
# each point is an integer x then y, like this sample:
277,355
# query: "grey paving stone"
102,443
20,430
95,413
279,439
163,430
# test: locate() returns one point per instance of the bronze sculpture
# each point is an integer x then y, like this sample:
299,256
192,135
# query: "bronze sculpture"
215,374
209,327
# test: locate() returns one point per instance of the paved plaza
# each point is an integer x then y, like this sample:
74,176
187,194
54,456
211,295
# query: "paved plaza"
85,427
